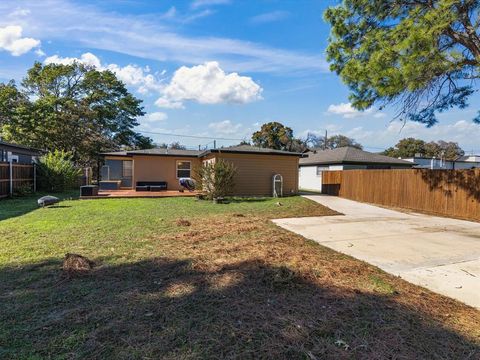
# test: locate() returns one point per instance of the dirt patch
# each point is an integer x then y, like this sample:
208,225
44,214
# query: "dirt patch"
183,222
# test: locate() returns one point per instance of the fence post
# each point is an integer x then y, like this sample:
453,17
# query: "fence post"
34,177
11,176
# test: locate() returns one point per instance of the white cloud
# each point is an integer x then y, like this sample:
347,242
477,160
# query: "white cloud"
87,59
19,12
132,75
40,52
225,127
464,132
208,84
201,3
153,37
169,104
347,111
154,117
11,40
269,17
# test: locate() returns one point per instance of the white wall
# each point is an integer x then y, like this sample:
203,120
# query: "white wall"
425,163
308,179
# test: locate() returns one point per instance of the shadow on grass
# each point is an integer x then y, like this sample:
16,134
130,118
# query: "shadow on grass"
165,308
18,206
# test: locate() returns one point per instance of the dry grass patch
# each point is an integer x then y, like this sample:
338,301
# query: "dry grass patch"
225,287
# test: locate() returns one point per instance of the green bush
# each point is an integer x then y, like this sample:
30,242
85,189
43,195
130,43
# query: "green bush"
57,172
215,179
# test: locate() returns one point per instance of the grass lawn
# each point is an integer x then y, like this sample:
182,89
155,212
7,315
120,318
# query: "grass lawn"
229,285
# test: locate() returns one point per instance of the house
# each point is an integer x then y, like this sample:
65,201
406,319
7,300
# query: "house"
255,167
343,158
17,153
462,162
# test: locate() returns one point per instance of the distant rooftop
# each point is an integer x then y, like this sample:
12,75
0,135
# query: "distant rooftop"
23,147
349,155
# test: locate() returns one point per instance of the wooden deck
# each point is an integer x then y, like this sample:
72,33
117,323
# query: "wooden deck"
130,193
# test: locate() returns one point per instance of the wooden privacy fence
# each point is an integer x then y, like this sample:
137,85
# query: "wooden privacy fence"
454,193
14,177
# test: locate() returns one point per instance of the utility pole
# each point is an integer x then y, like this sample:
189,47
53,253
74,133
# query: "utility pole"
325,141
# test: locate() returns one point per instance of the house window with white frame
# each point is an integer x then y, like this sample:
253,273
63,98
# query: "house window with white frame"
320,169
184,169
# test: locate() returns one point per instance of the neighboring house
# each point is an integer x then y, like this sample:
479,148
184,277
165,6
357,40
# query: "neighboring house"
255,167
17,153
463,162
343,158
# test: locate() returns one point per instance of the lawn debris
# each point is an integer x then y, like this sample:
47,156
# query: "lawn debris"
183,222
75,263
47,201
280,276
238,215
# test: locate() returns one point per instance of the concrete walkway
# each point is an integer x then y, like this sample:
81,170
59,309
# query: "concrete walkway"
438,253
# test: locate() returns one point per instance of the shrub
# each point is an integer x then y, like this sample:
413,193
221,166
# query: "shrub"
57,172
215,179
23,190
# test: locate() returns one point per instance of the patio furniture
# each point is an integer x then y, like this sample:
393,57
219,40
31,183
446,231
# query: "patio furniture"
151,186
110,184
89,190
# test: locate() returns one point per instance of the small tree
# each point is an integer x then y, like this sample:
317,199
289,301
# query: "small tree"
57,172
215,179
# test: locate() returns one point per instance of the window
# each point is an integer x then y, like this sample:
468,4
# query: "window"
127,169
320,169
184,169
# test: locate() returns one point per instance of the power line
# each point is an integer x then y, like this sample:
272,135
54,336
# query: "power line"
189,136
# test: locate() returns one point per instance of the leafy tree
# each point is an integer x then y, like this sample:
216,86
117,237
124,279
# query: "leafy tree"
333,142
275,135
57,172
422,55
443,149
215,179
176,145
73,108
409,147
173,145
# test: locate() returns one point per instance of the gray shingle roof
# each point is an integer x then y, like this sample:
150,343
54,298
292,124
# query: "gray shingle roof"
163,151
254,150
345,155
240,149
21,147
156,151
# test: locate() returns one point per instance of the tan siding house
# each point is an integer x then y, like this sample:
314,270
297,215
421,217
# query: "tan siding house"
255,167
255,173
160,168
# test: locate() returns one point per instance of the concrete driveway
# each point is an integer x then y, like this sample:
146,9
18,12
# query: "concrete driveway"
438,253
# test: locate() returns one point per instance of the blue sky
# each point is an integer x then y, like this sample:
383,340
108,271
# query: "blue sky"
214,68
